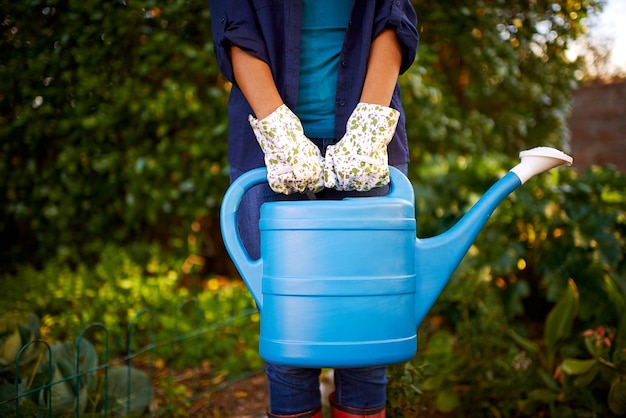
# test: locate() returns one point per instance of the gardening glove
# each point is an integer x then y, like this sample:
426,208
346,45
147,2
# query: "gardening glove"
359,160
294,163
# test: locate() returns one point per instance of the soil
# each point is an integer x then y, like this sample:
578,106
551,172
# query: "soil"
247,398
244,399
211,396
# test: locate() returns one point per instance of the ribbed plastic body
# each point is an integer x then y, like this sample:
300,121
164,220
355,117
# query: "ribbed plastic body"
338,282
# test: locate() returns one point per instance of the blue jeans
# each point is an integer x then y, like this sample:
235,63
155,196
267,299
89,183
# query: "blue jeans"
294,389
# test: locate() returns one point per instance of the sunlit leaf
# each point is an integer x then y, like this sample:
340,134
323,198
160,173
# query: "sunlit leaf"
575,367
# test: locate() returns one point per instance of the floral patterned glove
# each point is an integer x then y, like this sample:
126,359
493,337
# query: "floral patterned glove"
294,163
359,160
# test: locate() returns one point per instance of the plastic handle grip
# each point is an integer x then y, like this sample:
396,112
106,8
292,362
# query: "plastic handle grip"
250,270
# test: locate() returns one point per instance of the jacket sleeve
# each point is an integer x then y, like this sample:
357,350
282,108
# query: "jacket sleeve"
400,16
234,22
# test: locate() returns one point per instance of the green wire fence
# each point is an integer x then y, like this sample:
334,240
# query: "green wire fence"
139,376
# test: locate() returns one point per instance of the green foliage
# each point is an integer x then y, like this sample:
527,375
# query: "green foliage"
69,359
145,301
579,384
548,268
113,114
112,125
64,381
129,391
492,76
560,320
132,305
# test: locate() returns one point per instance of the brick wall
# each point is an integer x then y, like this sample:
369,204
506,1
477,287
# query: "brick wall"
597,126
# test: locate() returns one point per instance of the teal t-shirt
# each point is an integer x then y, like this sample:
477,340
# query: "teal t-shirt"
324,24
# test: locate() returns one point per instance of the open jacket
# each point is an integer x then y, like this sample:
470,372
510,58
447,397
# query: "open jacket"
270,30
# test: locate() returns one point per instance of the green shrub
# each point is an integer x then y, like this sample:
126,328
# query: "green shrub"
147,302
113,126
113,114
511,332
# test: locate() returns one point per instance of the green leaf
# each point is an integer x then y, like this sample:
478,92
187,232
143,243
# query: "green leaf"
129,390
528,406
586,379
547,380
619,354
574,367
543,395
617,397
525,343
536,399
75,379
447,401
561,317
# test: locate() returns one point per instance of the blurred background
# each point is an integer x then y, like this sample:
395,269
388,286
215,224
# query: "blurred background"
113,165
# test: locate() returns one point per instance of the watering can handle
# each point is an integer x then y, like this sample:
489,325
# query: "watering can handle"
400,186
250,270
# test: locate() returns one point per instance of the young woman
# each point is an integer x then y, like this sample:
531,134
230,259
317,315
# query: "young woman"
315,99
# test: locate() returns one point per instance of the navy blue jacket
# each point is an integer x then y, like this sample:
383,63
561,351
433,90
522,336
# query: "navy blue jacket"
270,30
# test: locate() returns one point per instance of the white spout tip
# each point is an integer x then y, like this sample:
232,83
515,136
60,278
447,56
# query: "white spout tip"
548,152
540,159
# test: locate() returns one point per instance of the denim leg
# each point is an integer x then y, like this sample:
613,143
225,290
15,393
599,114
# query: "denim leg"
364,387
292,389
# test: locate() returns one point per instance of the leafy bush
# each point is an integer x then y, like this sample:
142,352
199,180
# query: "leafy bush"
533,321
142,301
113,114
492,76
113,122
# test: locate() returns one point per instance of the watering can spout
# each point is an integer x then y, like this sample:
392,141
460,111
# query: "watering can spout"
449,248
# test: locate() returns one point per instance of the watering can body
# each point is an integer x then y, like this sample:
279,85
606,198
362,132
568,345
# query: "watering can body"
345,283
338,283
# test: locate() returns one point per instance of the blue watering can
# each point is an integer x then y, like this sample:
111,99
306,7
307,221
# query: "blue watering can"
345,283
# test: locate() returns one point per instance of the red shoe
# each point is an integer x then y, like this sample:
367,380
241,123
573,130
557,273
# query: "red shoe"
314,413
340,411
